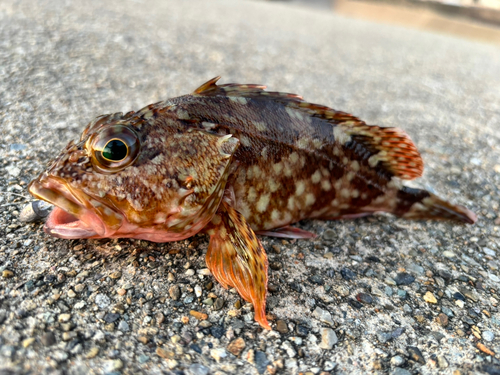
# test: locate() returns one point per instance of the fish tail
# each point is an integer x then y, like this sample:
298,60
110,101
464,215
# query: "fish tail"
416,204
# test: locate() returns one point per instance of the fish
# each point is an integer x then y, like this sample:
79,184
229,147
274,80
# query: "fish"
233,161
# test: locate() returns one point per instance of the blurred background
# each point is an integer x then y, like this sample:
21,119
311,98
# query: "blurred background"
475,19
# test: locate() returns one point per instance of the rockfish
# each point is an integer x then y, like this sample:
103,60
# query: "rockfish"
232,161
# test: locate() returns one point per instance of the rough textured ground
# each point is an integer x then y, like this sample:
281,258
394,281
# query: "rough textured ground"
371,295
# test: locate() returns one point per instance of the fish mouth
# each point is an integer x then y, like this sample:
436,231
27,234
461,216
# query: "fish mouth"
76,214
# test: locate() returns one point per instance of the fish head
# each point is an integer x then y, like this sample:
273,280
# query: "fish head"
130,177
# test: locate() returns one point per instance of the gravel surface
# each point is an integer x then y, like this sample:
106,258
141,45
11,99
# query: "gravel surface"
371,295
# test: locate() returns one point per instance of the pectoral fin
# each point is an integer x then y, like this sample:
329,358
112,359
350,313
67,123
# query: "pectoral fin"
237,259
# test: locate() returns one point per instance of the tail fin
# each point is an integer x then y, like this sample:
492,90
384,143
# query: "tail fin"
418,204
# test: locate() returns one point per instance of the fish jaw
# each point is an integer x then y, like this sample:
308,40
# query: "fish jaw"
62,224
76,215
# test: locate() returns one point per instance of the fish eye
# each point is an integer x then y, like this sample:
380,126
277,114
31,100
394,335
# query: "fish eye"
114,148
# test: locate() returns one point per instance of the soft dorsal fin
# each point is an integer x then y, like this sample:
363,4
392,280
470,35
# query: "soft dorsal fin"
391,147
394,149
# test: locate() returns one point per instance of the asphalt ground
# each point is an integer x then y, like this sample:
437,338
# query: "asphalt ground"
373,295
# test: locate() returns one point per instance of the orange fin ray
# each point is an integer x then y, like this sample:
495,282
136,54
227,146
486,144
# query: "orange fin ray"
237,259
287,232
392,147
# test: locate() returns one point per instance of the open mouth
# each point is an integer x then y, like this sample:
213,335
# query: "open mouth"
65,225
73,216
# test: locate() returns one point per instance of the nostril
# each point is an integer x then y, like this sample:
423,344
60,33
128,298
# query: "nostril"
77,156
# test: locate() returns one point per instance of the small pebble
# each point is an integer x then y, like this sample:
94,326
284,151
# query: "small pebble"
384,337
442,362
217,331
404,278
400,371
442,319
281,326
485,349
489,252
35,211
175,292
329,235
63,318
488,336
198,369
397,360
7,274
328,338
123,326
364,298
67,336
469,294
111,317
27,342
323,316
415,354
143,339
48,339
79,288
198,291
113,365
71,293
315,279
164,353
347,274
447,311
261,361
218,354
198,315
218,304
430,298
236,346
390,281
102,301
398,332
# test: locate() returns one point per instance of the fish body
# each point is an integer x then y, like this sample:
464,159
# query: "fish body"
232,161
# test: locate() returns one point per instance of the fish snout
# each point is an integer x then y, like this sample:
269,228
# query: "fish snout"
76,215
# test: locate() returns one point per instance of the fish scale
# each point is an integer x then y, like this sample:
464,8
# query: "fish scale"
232,161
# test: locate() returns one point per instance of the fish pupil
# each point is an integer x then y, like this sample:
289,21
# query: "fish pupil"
115,150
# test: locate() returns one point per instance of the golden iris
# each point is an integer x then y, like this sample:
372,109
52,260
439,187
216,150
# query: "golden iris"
115,150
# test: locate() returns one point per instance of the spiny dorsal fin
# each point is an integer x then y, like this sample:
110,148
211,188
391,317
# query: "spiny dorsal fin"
392,147
209,86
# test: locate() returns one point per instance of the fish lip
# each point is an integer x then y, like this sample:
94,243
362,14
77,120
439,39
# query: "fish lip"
73,216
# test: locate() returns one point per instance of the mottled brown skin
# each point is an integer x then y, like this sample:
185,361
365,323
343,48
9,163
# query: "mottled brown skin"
233,160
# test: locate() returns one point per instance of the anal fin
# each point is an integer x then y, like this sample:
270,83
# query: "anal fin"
287,232
237,259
